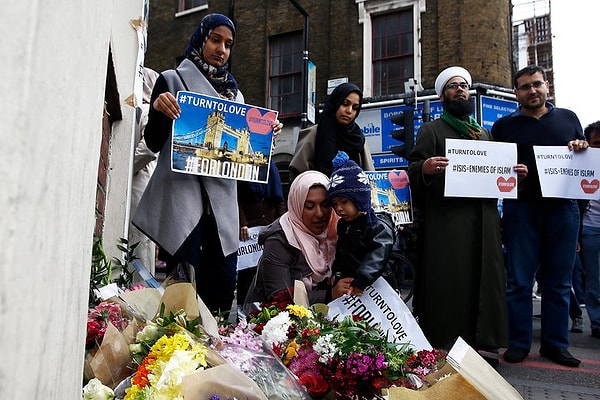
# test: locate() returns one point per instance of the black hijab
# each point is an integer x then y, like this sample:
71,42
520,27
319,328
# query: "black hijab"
333,136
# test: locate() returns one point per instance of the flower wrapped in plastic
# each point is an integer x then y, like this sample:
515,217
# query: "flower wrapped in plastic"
176,360
160,375
346,359
244,348
110,330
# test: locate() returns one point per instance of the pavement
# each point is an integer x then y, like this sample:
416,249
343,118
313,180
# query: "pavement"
539,378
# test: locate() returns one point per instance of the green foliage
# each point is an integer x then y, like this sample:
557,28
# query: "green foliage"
125,279
102,268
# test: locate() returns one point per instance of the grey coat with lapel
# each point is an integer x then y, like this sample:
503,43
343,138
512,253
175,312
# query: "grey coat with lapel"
172,203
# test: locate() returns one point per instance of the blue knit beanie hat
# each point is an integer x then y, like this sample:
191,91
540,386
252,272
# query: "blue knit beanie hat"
348,180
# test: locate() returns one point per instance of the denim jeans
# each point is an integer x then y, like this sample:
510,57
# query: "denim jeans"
577,289
590,257
539,236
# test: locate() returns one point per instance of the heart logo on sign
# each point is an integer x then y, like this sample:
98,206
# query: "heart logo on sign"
590,187
260,123
398,179
506,185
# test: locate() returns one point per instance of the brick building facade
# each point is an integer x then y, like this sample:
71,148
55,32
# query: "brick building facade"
472,33
342,44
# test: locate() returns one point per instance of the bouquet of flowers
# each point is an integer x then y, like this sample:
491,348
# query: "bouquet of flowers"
98,319
242,347
347,359
160,375
110,329
176,358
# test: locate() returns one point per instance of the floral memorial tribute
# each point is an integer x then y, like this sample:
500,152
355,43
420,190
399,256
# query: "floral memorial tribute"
163,343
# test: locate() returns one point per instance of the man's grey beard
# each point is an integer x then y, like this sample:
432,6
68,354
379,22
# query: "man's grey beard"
459,108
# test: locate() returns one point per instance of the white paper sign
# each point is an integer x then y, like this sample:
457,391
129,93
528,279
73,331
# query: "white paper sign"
568,174
380,304
249,251
480,168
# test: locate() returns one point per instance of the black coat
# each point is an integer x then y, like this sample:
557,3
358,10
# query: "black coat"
460,283
363,251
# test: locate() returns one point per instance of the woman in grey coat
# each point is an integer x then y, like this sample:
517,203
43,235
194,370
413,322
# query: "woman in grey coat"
194,218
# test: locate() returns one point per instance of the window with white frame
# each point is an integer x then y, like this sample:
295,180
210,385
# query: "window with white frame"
186,6
392,51
391,45
285,74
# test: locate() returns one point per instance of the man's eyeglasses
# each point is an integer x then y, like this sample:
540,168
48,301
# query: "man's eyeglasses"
456,85
527,87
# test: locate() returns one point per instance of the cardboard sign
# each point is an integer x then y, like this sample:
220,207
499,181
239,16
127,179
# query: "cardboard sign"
380,305
568,174
249,251
221,138
479,168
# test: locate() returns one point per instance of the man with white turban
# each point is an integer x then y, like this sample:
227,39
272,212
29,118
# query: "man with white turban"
460,282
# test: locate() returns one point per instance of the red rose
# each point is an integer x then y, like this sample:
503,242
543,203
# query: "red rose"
314,383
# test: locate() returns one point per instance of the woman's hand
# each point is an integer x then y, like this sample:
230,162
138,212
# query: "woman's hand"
342,287
166,103
244,234
435,165
277,127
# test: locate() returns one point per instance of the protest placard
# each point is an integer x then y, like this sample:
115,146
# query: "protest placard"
380,305
568,174
390,192
479,168
221,138
249,251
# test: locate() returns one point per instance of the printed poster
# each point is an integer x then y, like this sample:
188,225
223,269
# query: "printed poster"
222,138
390,192
249,251
380,305
568,174
480,168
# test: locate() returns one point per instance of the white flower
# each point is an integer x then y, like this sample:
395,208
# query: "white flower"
325,348
276,329
95,390
150,334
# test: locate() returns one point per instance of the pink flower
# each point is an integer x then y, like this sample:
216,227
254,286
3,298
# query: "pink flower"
135,287
99,317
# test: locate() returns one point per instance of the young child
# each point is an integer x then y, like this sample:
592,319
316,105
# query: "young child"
365,239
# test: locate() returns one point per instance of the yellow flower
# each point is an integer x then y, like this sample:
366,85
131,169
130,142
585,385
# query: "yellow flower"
169,360
299,311
291,351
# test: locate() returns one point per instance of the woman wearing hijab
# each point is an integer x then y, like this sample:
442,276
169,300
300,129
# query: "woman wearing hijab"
336,131
300,245
192,217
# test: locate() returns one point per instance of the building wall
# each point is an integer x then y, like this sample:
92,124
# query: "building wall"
471,33
51,132
335,39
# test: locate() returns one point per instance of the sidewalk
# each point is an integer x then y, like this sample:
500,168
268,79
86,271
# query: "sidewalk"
538,378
